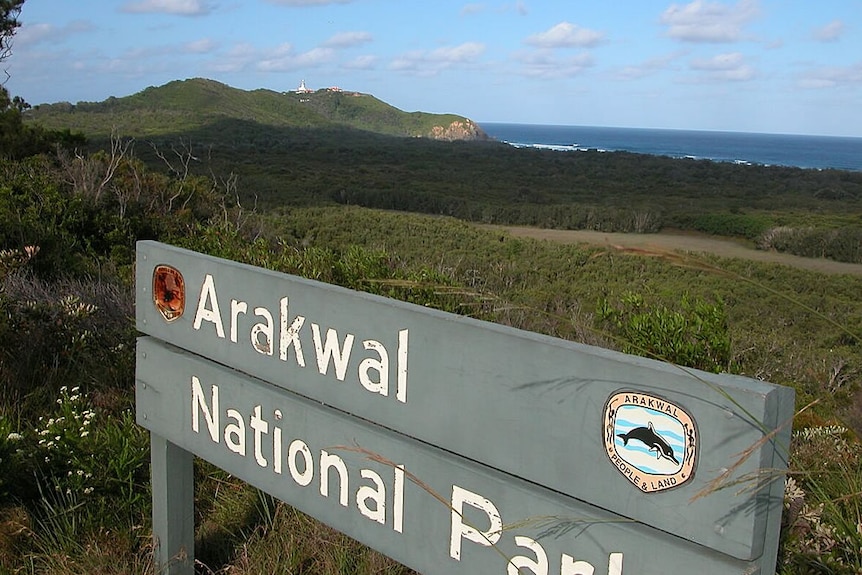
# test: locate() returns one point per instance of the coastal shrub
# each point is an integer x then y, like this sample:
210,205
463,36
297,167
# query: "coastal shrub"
748,226
841,244
695,334
371,270
36,209
53,332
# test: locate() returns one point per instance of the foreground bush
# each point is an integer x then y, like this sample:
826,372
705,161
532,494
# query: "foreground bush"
693,335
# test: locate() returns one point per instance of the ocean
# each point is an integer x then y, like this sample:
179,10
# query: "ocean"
816,152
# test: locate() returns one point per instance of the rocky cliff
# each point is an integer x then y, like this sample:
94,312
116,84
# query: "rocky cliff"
458,130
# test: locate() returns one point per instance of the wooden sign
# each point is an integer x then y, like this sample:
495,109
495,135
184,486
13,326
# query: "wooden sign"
621,440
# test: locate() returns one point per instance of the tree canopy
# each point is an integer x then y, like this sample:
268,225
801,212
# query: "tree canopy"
9,11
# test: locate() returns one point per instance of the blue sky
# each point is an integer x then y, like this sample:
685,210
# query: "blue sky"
781,66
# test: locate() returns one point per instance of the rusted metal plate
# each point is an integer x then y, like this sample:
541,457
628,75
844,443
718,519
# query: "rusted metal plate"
169,292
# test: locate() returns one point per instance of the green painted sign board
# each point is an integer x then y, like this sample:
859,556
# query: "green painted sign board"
586,457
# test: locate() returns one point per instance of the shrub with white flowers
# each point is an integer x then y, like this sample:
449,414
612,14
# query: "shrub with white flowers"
65,450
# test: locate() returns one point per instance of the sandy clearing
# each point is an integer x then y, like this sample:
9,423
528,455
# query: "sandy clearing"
682,241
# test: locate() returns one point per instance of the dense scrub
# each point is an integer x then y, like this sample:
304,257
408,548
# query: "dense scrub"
311,164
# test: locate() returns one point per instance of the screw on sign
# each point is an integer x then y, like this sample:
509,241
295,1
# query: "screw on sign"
169,292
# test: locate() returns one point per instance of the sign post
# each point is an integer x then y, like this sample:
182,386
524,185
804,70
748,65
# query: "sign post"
444,442
173,504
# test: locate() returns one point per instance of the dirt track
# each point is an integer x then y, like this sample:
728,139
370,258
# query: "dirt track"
682,241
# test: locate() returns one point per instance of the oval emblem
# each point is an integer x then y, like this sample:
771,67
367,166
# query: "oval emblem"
169,292
652,442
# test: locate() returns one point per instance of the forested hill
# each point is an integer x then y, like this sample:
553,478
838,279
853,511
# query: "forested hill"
190,104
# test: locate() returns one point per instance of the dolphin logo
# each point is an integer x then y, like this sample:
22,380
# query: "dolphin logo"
651,439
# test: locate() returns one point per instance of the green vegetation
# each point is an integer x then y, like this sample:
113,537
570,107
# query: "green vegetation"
187,105
328,148
74,482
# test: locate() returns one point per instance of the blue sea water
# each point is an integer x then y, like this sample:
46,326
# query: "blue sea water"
818,152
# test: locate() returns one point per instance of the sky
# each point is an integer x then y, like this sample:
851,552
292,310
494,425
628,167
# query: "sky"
774,66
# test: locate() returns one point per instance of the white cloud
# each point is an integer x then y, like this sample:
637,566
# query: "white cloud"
833,76
724,67
701,21
829,32
201,46
431,62
179,7
367,62
283,59
472,8
727,61
236,59
544,64
648,67
348,39
566,35
301,3
30,34
457,54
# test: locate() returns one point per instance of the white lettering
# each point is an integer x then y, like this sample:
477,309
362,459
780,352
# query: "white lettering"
329,350
265,329
370,492
304,477
236,308
374,370
234,433
260,426
290,334
539,566
401,390
381,366
377,494
327,462
615,564
211,314
276,444
398,500
210,414
460,529
569,566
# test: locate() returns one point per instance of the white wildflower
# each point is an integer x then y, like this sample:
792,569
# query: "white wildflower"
792,491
